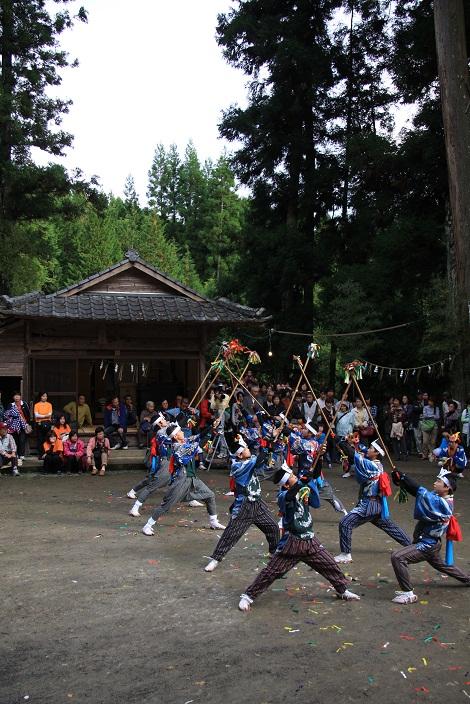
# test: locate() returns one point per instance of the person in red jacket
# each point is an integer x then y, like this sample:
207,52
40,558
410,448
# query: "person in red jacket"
205,414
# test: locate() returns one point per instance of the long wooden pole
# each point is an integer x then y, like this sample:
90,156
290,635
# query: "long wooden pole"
353,376
204,380
313,393
330,429
240,383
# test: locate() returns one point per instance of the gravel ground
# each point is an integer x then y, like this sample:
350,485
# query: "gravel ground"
93,611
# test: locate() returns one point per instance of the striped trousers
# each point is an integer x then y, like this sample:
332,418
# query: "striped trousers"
150,484
369,512
251,513
293,551
412,555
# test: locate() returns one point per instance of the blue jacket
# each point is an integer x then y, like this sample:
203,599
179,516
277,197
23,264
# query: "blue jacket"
122,416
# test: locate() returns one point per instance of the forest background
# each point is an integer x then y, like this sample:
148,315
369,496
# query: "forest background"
321,213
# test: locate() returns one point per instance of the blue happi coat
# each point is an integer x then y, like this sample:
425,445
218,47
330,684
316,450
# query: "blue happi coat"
433,513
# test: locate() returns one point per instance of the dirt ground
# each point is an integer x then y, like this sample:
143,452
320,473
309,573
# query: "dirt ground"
93,611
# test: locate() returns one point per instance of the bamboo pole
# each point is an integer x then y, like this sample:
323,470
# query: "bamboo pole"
204,380
299,362
240,383
330,429
353,376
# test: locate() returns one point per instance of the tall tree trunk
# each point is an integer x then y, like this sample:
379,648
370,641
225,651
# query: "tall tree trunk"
449,21
7,85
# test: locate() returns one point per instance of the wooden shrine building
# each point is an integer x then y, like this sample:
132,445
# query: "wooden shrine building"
129,329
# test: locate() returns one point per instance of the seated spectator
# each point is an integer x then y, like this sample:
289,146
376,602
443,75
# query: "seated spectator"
43,418
184,416
115,424
79,413
163,409
8,450
61,428
147,417
97,452
74,453
53,453
131,411
17,418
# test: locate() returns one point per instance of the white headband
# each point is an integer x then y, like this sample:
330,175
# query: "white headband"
377,447
239,450
311,428
287,473
173,432
446,482
159,419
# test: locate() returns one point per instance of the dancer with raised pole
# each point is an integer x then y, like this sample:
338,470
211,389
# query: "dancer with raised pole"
434,514
185,485
372,506
248,507
298,544
451,454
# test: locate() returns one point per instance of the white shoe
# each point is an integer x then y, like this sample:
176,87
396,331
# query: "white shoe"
405,598
148,530
20,461
346,475
210,567
245,603
15,472
125,447
230,493
348,596
131,494
215,525
134,512
345,512
195,504
115,447
343,557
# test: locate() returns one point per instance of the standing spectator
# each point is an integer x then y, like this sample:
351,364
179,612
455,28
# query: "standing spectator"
250,403
446,400
263,390
205,413
8,449
79,413
53,453
237,411
309,408
362,421
97,452
115,424
277,406
147,417
18,418
409,433
397,432
74,453
43,418
429,426
61,428
465,420
451,419
286,399
269,401
416,418
296,411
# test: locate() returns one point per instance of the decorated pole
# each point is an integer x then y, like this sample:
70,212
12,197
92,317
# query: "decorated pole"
354,371
238,383
299,362
209,371
330,428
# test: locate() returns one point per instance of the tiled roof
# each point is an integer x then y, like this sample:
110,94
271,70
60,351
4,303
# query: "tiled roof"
129,308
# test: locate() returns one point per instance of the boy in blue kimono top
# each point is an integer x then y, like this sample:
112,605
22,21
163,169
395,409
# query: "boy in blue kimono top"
306,446
298,544
434,515
451,454
372,505
274,438
185,485
248,508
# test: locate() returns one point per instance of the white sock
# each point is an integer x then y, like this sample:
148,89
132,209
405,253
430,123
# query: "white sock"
151,522
137,504
213,519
